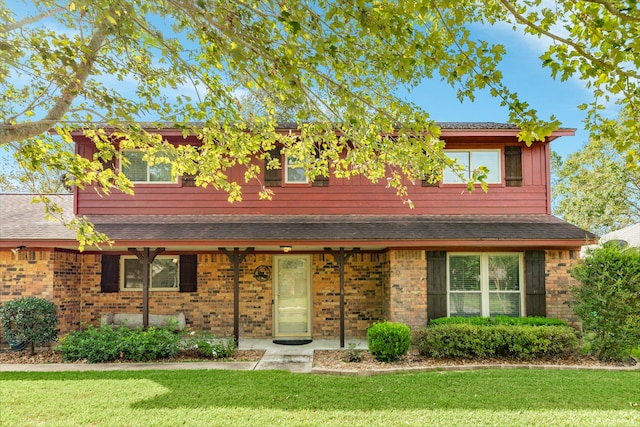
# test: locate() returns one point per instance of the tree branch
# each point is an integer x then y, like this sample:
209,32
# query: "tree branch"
83,69
521,19
615,11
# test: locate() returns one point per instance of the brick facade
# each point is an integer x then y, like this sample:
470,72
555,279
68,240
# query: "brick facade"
407,287
379,286
559,282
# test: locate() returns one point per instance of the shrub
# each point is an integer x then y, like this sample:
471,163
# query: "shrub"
29,320
467,341
106,344
207,345
608,301
388,341
499,320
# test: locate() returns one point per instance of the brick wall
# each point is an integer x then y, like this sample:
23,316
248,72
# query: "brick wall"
44,274
363,294
407,287
559,282
378,286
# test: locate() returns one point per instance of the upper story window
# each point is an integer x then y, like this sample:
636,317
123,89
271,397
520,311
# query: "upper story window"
138,170
471,160
164,273
485,284
293,174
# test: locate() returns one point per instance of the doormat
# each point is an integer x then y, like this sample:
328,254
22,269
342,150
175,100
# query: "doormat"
292,342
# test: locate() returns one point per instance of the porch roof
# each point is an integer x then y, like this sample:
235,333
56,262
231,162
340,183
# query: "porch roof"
347,230
23,223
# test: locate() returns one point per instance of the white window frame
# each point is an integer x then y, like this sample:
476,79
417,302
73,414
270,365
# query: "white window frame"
287,166
123,259
484,281
468,167
148,177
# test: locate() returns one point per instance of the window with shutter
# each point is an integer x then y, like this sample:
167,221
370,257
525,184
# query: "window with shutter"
485,284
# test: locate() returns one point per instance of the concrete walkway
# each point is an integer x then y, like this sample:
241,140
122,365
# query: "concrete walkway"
292,358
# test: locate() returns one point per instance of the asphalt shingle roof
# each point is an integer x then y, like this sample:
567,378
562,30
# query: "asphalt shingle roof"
22,220
339,227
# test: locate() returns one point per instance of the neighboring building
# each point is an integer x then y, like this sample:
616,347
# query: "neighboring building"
323,259
628,236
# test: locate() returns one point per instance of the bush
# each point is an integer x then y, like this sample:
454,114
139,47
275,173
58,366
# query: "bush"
207,345
499,320
106,344
466,341
29,320
389,341
608,302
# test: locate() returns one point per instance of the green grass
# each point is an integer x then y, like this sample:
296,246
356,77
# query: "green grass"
231,398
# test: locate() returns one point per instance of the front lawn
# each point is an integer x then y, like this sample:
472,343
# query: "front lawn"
230,398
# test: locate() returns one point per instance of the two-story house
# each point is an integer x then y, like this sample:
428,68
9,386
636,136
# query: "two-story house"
323,259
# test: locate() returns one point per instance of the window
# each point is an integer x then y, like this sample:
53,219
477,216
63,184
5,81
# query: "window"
138,170
293,174
470,160
485,284
164,275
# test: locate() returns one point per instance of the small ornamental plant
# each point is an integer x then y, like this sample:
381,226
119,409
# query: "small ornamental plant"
389,341
207,345
29,320
353,354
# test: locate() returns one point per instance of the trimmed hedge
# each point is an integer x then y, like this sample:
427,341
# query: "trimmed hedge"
499,320
389,341
467,341
29,320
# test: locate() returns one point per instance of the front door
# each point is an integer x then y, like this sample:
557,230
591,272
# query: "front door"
292,300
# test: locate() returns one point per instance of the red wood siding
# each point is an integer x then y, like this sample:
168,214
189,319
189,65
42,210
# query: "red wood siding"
354,196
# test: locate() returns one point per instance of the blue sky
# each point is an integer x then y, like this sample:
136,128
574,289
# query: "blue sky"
523,73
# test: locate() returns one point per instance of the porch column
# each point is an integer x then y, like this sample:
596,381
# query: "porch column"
236,257
146,258
341,256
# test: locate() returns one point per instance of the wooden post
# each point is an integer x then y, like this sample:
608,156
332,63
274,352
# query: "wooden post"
146,259
341,258
236,258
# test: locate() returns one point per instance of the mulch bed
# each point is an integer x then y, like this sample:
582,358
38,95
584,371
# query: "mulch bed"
336,360
52,356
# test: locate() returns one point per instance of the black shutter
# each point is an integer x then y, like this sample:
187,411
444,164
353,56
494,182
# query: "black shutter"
110,276
189,273
273,177
436,284
188,180
320,180
535,283
426,183
513,165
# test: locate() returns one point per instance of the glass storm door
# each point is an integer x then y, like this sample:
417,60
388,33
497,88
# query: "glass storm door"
292,296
